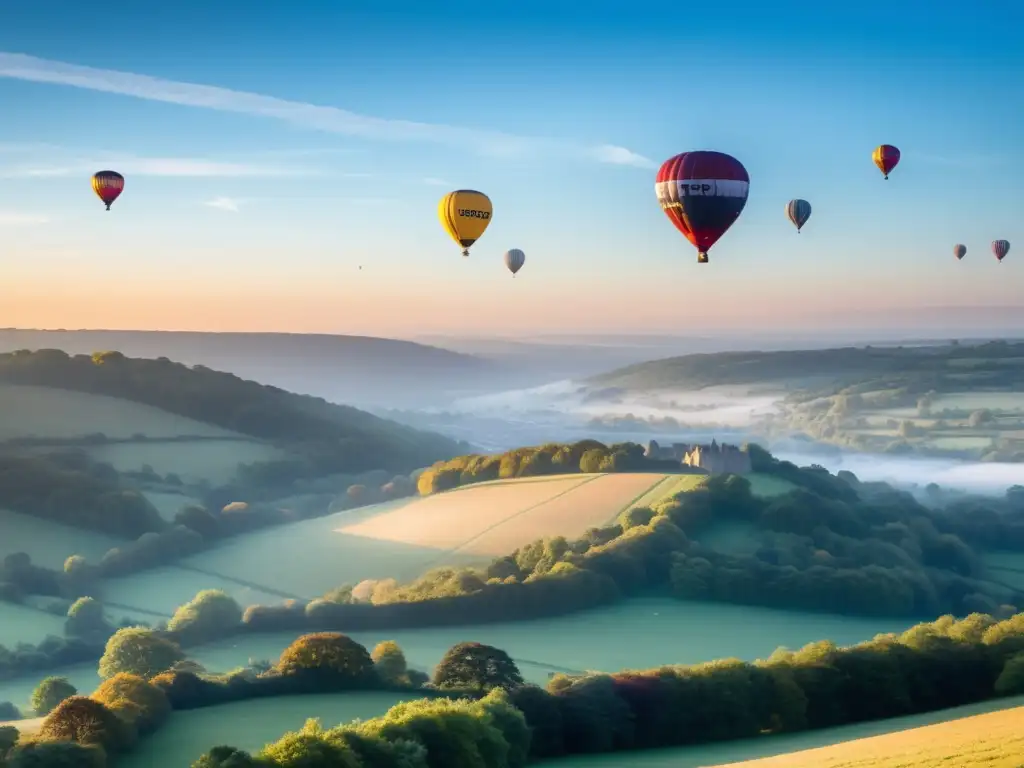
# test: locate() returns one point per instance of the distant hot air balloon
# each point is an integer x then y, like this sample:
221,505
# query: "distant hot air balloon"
702,193
798,211
108,185
514,260
886,157
465,214
959,250
1000,248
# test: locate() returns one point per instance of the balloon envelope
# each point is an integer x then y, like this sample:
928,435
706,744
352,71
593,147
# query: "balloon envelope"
514,260
1000,248
465,214
798,211
702,193
959,250
108,185
886,157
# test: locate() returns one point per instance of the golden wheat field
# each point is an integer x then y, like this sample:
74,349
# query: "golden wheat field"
447,521
594,503
993,740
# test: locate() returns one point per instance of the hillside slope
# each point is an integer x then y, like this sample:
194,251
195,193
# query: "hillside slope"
352,369
994,364
331,438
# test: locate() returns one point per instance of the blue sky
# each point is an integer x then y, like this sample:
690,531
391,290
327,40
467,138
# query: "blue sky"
329,130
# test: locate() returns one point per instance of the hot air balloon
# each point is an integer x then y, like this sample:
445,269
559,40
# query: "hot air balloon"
886,157
798,211
514,260
959,250
465,214
1000,248
108,185
702,193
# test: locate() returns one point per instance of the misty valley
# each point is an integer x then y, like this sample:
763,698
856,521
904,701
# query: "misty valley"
701,559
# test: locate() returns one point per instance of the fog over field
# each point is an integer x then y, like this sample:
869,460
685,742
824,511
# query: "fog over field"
571,410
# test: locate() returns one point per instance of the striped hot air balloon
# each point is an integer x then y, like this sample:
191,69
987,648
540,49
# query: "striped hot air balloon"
514,260
798,211
702,193
108,186
959,250
1000,248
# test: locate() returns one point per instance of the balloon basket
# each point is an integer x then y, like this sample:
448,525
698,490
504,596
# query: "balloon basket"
702,258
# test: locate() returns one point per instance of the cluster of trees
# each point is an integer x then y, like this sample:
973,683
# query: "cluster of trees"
146,676
68,487
478,707
549,459
325,438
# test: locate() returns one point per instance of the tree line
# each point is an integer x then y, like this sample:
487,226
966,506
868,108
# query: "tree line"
478,711
587,456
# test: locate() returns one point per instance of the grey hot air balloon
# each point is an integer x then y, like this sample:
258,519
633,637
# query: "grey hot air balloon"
798,211
514,260
1000,248
959,250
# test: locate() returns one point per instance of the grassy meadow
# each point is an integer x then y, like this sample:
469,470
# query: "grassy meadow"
59,414
250,725
25,624
44,412
636,634
49,543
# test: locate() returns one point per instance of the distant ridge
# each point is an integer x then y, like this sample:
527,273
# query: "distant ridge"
349,369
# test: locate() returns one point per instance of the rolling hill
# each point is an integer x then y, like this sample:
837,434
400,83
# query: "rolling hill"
403,539
950,401
353,369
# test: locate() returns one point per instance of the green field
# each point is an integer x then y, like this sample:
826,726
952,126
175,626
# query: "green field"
49,543
636,634
250,725
24,624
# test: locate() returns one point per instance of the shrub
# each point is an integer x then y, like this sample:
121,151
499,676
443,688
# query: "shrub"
389,661
138,651
58,754
329,659
49,693
142,704
86,619
211,614
85,721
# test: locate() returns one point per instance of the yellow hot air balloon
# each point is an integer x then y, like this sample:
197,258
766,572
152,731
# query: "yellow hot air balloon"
465,214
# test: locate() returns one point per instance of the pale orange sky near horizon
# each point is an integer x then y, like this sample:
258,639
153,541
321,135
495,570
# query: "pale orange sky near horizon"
376,304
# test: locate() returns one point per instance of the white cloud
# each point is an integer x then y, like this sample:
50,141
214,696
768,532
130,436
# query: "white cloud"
224,204
329,119
431,181
609,153
16,219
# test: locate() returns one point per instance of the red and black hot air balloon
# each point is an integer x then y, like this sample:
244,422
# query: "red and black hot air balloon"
1000,248
886,157
108,185
702,193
